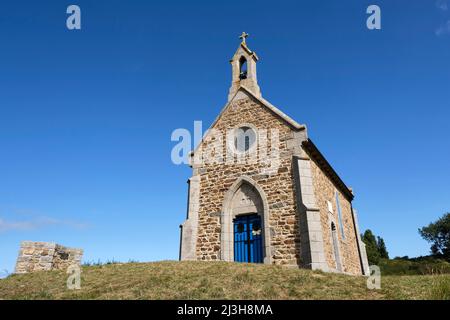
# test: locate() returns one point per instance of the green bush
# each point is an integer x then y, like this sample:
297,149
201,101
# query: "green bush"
414,266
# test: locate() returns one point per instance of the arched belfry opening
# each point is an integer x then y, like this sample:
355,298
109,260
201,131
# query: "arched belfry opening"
244,224
243,68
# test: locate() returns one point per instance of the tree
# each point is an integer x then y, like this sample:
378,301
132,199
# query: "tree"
373,255
438,234
382,248
375,247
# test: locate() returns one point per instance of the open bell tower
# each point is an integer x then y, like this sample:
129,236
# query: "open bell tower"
244,69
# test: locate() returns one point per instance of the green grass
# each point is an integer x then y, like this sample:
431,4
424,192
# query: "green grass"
216,280
440,289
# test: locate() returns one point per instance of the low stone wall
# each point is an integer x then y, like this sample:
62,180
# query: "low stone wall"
44,256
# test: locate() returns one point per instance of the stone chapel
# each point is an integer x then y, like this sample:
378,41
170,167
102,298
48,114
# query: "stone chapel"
292,210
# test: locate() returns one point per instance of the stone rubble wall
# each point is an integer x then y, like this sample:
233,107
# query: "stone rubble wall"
45,256
348,250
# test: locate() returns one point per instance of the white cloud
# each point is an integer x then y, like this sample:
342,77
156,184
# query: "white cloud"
37,223
442,5
23,225
444,29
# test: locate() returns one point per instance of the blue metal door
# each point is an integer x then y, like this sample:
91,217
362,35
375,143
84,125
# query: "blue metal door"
248,239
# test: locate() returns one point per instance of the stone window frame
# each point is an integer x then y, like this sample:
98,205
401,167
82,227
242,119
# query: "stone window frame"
330,207
332,220
230,143
339,215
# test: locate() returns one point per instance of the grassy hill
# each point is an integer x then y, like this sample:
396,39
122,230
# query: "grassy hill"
216,280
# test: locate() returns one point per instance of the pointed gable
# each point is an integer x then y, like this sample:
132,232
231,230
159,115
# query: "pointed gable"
244,93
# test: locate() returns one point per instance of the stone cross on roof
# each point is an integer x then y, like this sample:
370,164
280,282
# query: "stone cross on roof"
243,36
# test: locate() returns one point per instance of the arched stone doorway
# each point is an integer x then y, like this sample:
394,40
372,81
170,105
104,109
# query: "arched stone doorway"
244,199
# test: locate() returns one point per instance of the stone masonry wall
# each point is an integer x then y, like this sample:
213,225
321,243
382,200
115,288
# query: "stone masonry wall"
45,256
325,191
278,187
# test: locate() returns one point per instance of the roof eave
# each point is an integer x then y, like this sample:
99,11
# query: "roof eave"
328,169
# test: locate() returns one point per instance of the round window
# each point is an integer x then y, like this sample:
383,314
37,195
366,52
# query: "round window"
244,139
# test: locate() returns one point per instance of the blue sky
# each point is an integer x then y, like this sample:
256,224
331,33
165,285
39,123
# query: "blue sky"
86,116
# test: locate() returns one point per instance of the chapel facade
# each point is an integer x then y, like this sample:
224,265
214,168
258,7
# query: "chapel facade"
262,192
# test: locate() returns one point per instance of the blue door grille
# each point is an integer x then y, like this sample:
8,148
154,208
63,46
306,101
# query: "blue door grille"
248,239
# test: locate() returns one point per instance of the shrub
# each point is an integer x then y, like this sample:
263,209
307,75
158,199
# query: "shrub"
414,266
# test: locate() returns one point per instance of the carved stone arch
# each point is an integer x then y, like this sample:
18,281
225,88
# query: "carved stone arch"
227,216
